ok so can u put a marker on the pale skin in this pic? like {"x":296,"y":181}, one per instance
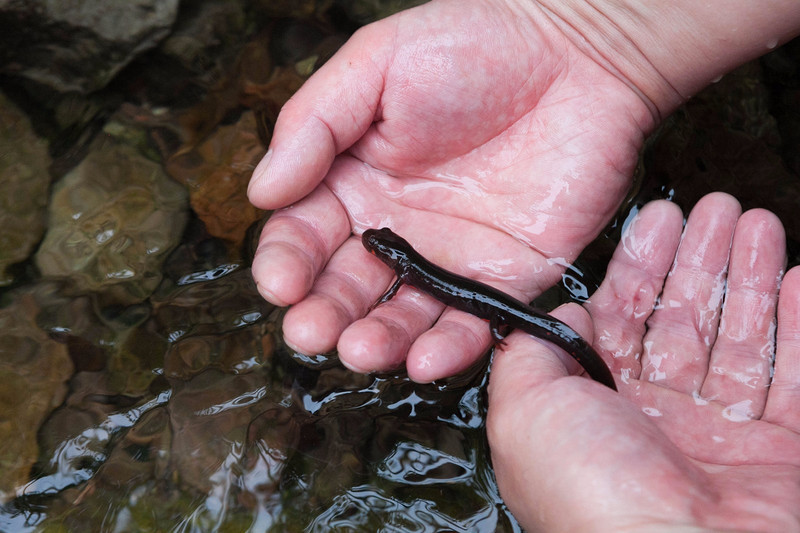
{"x":498,"y":137}
{"x":696,"y":439}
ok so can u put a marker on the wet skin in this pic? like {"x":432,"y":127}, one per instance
{"x":480,"y":300}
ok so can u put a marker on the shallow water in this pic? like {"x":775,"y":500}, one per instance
{"x":157,"y":395}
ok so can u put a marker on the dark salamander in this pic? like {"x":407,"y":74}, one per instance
{"x":480,"y":300}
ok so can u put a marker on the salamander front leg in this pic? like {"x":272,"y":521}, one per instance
{"x":389,"y":294}
{"x":498,"y":337}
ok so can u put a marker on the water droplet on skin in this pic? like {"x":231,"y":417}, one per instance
{"x":651,"y":411}
{"x":772,"y":43}
{"x":654,"y":371}
{"x":559,"y":261}
{"x":495,"y":269}
{"x":739,"y":411}
{"x":699,"y":400}
{"x":424,"y":361}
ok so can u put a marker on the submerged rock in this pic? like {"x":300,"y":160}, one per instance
{"x":24,"y":180}
{"x":222,"y":324}
{"x":34,"y":370}
{"x":217,"y":172}
{"x":205,"y":33}
{"x":366,"y":11}
{"x":80,"y":45}
{"x":211,"y":416}
{"x":113,"y":220}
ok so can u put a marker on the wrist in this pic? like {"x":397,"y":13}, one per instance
{"x":667,"y":51}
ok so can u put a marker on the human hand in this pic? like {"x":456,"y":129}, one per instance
{"x":700,"y":436}
{"x":479,"y":133}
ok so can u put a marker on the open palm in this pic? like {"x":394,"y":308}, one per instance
{"x":701,"y":433}
{"x":481,"y":135}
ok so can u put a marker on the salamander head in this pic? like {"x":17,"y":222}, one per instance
{"x":386,"y":245}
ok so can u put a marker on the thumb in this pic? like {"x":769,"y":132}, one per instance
{"x":531,"y":398}
{"x":525,"y":362}
{"x":329,"y":113}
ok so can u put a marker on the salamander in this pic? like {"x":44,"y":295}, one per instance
{"x":479,"y":299}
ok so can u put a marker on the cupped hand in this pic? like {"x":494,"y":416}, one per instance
{"x":702,"y":435}
{"x":477,"y":131}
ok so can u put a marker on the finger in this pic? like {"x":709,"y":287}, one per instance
{"x":295,"y":245}
{"x":633,"y":281}
{"x":322,"y":119}
{"x":458,"y":339}
{"x":381,"y":341}
{"x":543,"y":425}
{"x":407,"y":327}
{"x":456,"y":342}
{"x":683,"y":328}
{"x":740,"y":366}
{"x":342,"y":293}
{"x":521,"y":413}
{"x":525,"y":362}
{"x":784,"y":392}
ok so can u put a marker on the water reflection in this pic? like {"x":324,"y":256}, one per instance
{"x":76,"y":460}
{"x":361,"y":507}
{"x":416,"y":464}
{"x":235,"y":431}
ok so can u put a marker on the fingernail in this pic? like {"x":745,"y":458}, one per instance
{"x":260,"y":171}
{"x":261,"y":167}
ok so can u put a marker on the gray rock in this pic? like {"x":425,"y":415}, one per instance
{"x":78,"y":45}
